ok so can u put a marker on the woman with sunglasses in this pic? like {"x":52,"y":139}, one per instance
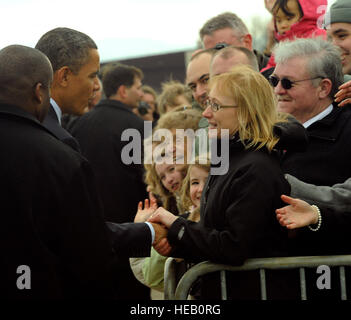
{"x":238,"y":208}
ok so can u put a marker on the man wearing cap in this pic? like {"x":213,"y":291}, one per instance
{"x":338,"y":25}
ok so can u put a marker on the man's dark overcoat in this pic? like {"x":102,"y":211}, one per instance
{"x":52,"y":219}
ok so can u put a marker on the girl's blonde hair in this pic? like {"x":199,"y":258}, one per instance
{"x":178,"y":118}
{"x":169,"y":201}
{"x":257,"y":111}
{"x":201,"y":162}
{"x":171,"y":90}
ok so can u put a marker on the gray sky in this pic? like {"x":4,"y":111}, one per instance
{"x":121,"y":29}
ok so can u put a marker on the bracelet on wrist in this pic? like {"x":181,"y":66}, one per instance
{"x":319,"y":223}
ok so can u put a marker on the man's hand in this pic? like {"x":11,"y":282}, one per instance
{"x":163,"y":247}
{"x":160,"y":233}
{"x":344,"y":94}
{"x":149,"y":208}
{"x":297,"y":214}
{"x":163,"y":216}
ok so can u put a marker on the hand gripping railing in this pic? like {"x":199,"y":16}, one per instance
{"x":180,"y":291}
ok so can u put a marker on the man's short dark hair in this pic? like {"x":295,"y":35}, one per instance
{"x":222,"y":21}
{"x":66,"y":47}
{"x":21,"y":69}
{"x":116,"y":75}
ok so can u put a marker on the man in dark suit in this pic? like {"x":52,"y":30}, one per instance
{"x":54,"y":242}
{"x":99,"y":133}
{"x":76,"y":63}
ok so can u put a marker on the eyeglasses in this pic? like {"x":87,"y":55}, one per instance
{"x":286,"y":83}
{"x":216,"y":106}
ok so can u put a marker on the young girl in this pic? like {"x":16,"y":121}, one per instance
{"x":170,"y":171}
{"x":152,"y":269}
{"x":193,"y":186}
{"x":296,"y":19}
{"x":164,"y":180}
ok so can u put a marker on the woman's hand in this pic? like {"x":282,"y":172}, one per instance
{"x":344,"y":94}
{"x":297,"y":214}
{"x":163,"y":217}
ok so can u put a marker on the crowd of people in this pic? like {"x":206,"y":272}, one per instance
{"x":103,"y":178}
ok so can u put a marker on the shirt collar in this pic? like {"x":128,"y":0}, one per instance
{"x":319,"y":116}
{"x":57,"y":109}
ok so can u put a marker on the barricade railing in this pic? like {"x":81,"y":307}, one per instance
{"x":180,"y":290}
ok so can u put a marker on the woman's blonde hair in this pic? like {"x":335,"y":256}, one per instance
{"x":201,"y":162}
{"x":257,"y":105}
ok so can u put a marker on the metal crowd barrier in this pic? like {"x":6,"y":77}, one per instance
{"x":180,"y":291}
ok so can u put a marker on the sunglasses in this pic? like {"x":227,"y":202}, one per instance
{"x":286,"y":83}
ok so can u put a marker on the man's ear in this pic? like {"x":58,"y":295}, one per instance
{"x":122,"y":91}
{"x":247,"y":41}
{"x":325,"y":88}
{"x":38,"y":93}
{"x":40,"y":109}
{"x":62,"y":76}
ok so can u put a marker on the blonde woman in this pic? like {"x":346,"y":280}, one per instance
{"x":237,"y":208}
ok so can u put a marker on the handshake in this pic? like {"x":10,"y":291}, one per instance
{"x":161,"y":220}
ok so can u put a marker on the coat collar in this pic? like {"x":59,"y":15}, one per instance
{"x":17,"y":112}
{"x":14,"y":110}
{"x":332,"y":125}
{"x":114,"y":104}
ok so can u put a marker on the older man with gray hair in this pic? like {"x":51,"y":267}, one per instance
{"x":306,"y":78}
{"x":338,"y":196}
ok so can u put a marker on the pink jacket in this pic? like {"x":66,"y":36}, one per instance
{"x":309,"y":25}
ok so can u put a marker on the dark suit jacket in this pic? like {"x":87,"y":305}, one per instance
{"x":52,"y":219}
{"x":99,"y":133}
{"x":326,"y":159}
{"x":51,"y":122}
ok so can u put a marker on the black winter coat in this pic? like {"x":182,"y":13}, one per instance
{"x":326,"y":159}
{"x":99,"y":134}
{"x":52,"y":219}
{"x":238,"y":219}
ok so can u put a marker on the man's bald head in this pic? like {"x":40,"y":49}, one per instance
{"x":227,"y":58}
{"x":25,"y":78}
